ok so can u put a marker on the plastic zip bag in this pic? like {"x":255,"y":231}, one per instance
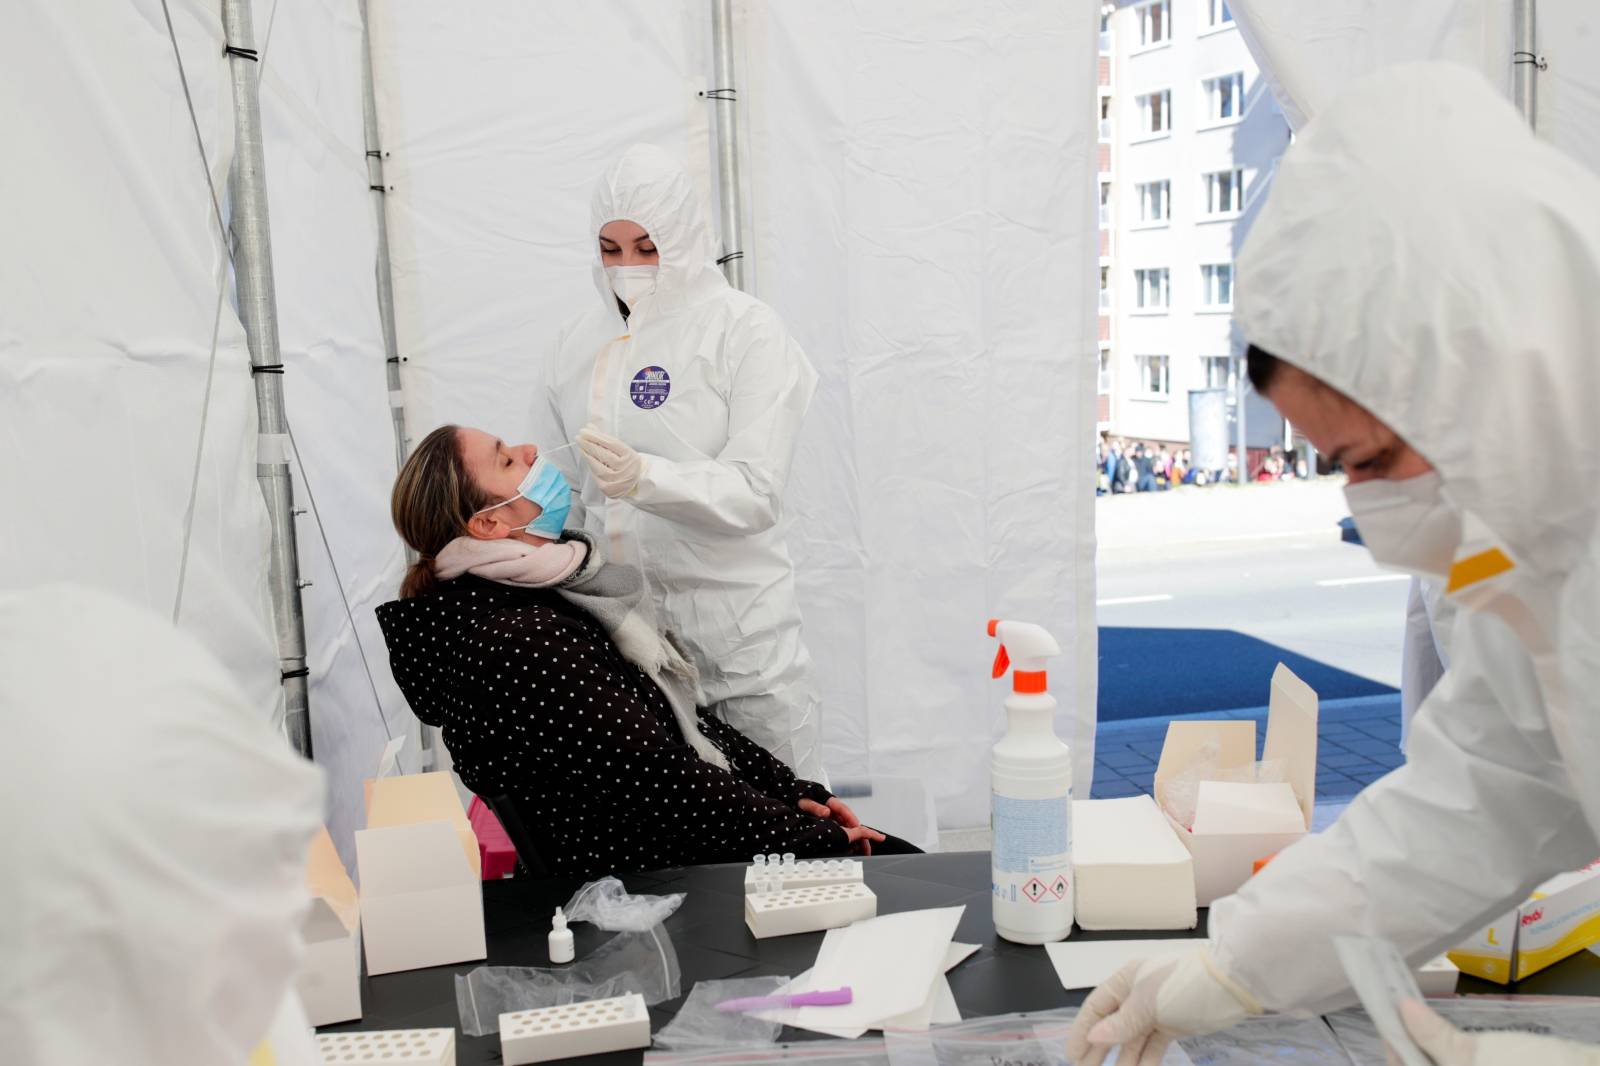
{"x":699,"y":1025}
{"x":607,"y":905}
{"x":641,"y":962}
{"x":1570,"y":1017}
{"x":828,"y":1052}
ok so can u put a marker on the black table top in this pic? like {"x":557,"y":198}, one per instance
{"x":712,"y":943}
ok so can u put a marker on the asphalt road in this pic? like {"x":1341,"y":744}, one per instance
{"x":1199,"y":625}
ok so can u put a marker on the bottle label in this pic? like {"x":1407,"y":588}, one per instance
{"x":1032,"y":856}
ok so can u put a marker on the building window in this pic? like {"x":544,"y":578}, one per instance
{"x":1105,"y":372}
{"x":1155,"y":23}
{"x":1219,"y":371}
{"x":1216,"y":285}
{"x":1155,"y":203}
{"x":1155,"y":112}
{"x":1224,"y":192}
{"x":1155,"y":375}
{"x":1105,"y":204}
{"x":1152,"y":288}
{"x":1217,"y":14}
{"x":1105,"y":288}
{"x":1224,"y":97}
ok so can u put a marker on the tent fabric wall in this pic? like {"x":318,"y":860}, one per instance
{"x":1308,"y":52}
{"x":923,"y":193}
{"x":499,"y":116}
{"x":975,"y":401}
{"x":324,"y":238}
{"x":111,"y":275}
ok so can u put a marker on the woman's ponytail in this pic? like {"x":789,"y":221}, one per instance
{"x":432,"y":501}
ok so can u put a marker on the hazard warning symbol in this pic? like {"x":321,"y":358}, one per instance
{"x":1058,"y":887}
{"x":1034,"y":890}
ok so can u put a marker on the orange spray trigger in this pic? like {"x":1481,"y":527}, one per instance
{"x":1002,"y":662}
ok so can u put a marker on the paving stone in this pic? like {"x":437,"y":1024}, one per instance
{"x":1343,"y":758}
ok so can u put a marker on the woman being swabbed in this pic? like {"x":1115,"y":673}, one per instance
{"x":554,"y":686}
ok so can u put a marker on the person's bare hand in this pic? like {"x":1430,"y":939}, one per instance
{"x":861,"y":839}
{"x":836,"y":810}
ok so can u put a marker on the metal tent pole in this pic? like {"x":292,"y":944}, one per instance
{"x":385,"y":279}
{"x":258,"y":308}
{"x":1241,"y":383}
{"x":1526,"y":61}
{"x":726,"y":97}
{"x":375,"y":181}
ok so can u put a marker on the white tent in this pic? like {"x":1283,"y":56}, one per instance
{"x":919,"y":200}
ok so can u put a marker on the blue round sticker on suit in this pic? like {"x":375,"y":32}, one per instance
{"x":650,"y":388}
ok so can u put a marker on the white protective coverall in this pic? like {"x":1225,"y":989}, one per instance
{"x":1425,"y":254}
{"x":155,"y":843}
{"x":705,"y":382}
{"x":1425,"y":651}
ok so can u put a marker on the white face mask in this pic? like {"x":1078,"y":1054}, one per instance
{"x":633,"y":283}
{"x":1407,"y":525}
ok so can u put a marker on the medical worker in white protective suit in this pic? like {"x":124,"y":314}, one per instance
{"x":1426,"y":273}
{"x":155,"y":842}
{"x":686,"y":396}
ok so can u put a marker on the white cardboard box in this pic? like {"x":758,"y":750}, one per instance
{"x":329,"y":981}
{"x":1224,"y":858}
{"x":1130,"y":872}
{"x":421,"y":887}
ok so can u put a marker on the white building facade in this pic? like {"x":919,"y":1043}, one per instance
{"x":1189,"y":137}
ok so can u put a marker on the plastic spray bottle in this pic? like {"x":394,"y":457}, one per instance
{"x":1031,"y":812}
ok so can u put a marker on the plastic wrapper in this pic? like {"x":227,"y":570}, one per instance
{"x":1570,"y":1017}
{"x":1181,"y":793}
{"x":700,"y":1024}
{"x":642,"y":962}
{"x":607,"y":905}
{"x":1032,"y":1038}
{"x":1301,"y":1041}
{"x":826,"y":1052}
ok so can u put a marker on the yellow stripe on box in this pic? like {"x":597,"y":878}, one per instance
{"x":1476,"y":568}
{"x":263,"y":1056}
{"x":1496,"y":968}
{"x":1579,"y":937}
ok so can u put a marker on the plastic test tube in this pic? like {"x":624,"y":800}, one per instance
{"x":788,"y":860}
{"x":759,"y":862}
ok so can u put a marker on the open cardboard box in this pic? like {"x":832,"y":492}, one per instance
{"x":421,"y":888}
{"x":1224,"y":857}
{"x":329,"y":981}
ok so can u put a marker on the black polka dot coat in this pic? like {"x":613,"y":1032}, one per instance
{"x":536,"y":703}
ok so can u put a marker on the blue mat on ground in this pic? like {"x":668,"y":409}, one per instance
{"x":1150,"y":672}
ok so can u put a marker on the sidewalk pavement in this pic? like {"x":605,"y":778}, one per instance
{"x":1358,"y":741}
{"x":1199,"y":518}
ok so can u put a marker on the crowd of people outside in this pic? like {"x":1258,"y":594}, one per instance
{"x":1124,"y":465}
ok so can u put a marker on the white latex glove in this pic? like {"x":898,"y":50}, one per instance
{"x":617,"y":468}
{"x":1145,"y":1006}
{"x":1448,"y":1046}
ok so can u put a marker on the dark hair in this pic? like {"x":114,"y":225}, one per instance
{"x":433,"y":499}
{"x":1262,"y":366}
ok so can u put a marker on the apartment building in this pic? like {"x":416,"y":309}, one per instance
{"x":1189,"y":137}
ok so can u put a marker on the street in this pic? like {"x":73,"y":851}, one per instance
{"x":1201,"y":593}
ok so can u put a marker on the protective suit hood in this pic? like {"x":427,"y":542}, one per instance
{"x":649,"y":187}
{"x":1457,"y":303}
{"x":155,"y":843}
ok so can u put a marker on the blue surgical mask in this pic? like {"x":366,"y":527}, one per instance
{"x":548,"y":487}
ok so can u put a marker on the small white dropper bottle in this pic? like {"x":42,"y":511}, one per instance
{"x":560,"y":940}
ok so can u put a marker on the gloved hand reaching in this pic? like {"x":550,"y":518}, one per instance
{"x":617,"y":468}
{"x":1448,"y":1046}
{"x":1145,"y":1006}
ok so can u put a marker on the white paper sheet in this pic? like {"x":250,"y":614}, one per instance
{"x":1382,"y":979}
{"x":892,"y":963}
{"x":1086,"y":963}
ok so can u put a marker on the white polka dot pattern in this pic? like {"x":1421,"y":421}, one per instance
{"x":537,"y":703}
